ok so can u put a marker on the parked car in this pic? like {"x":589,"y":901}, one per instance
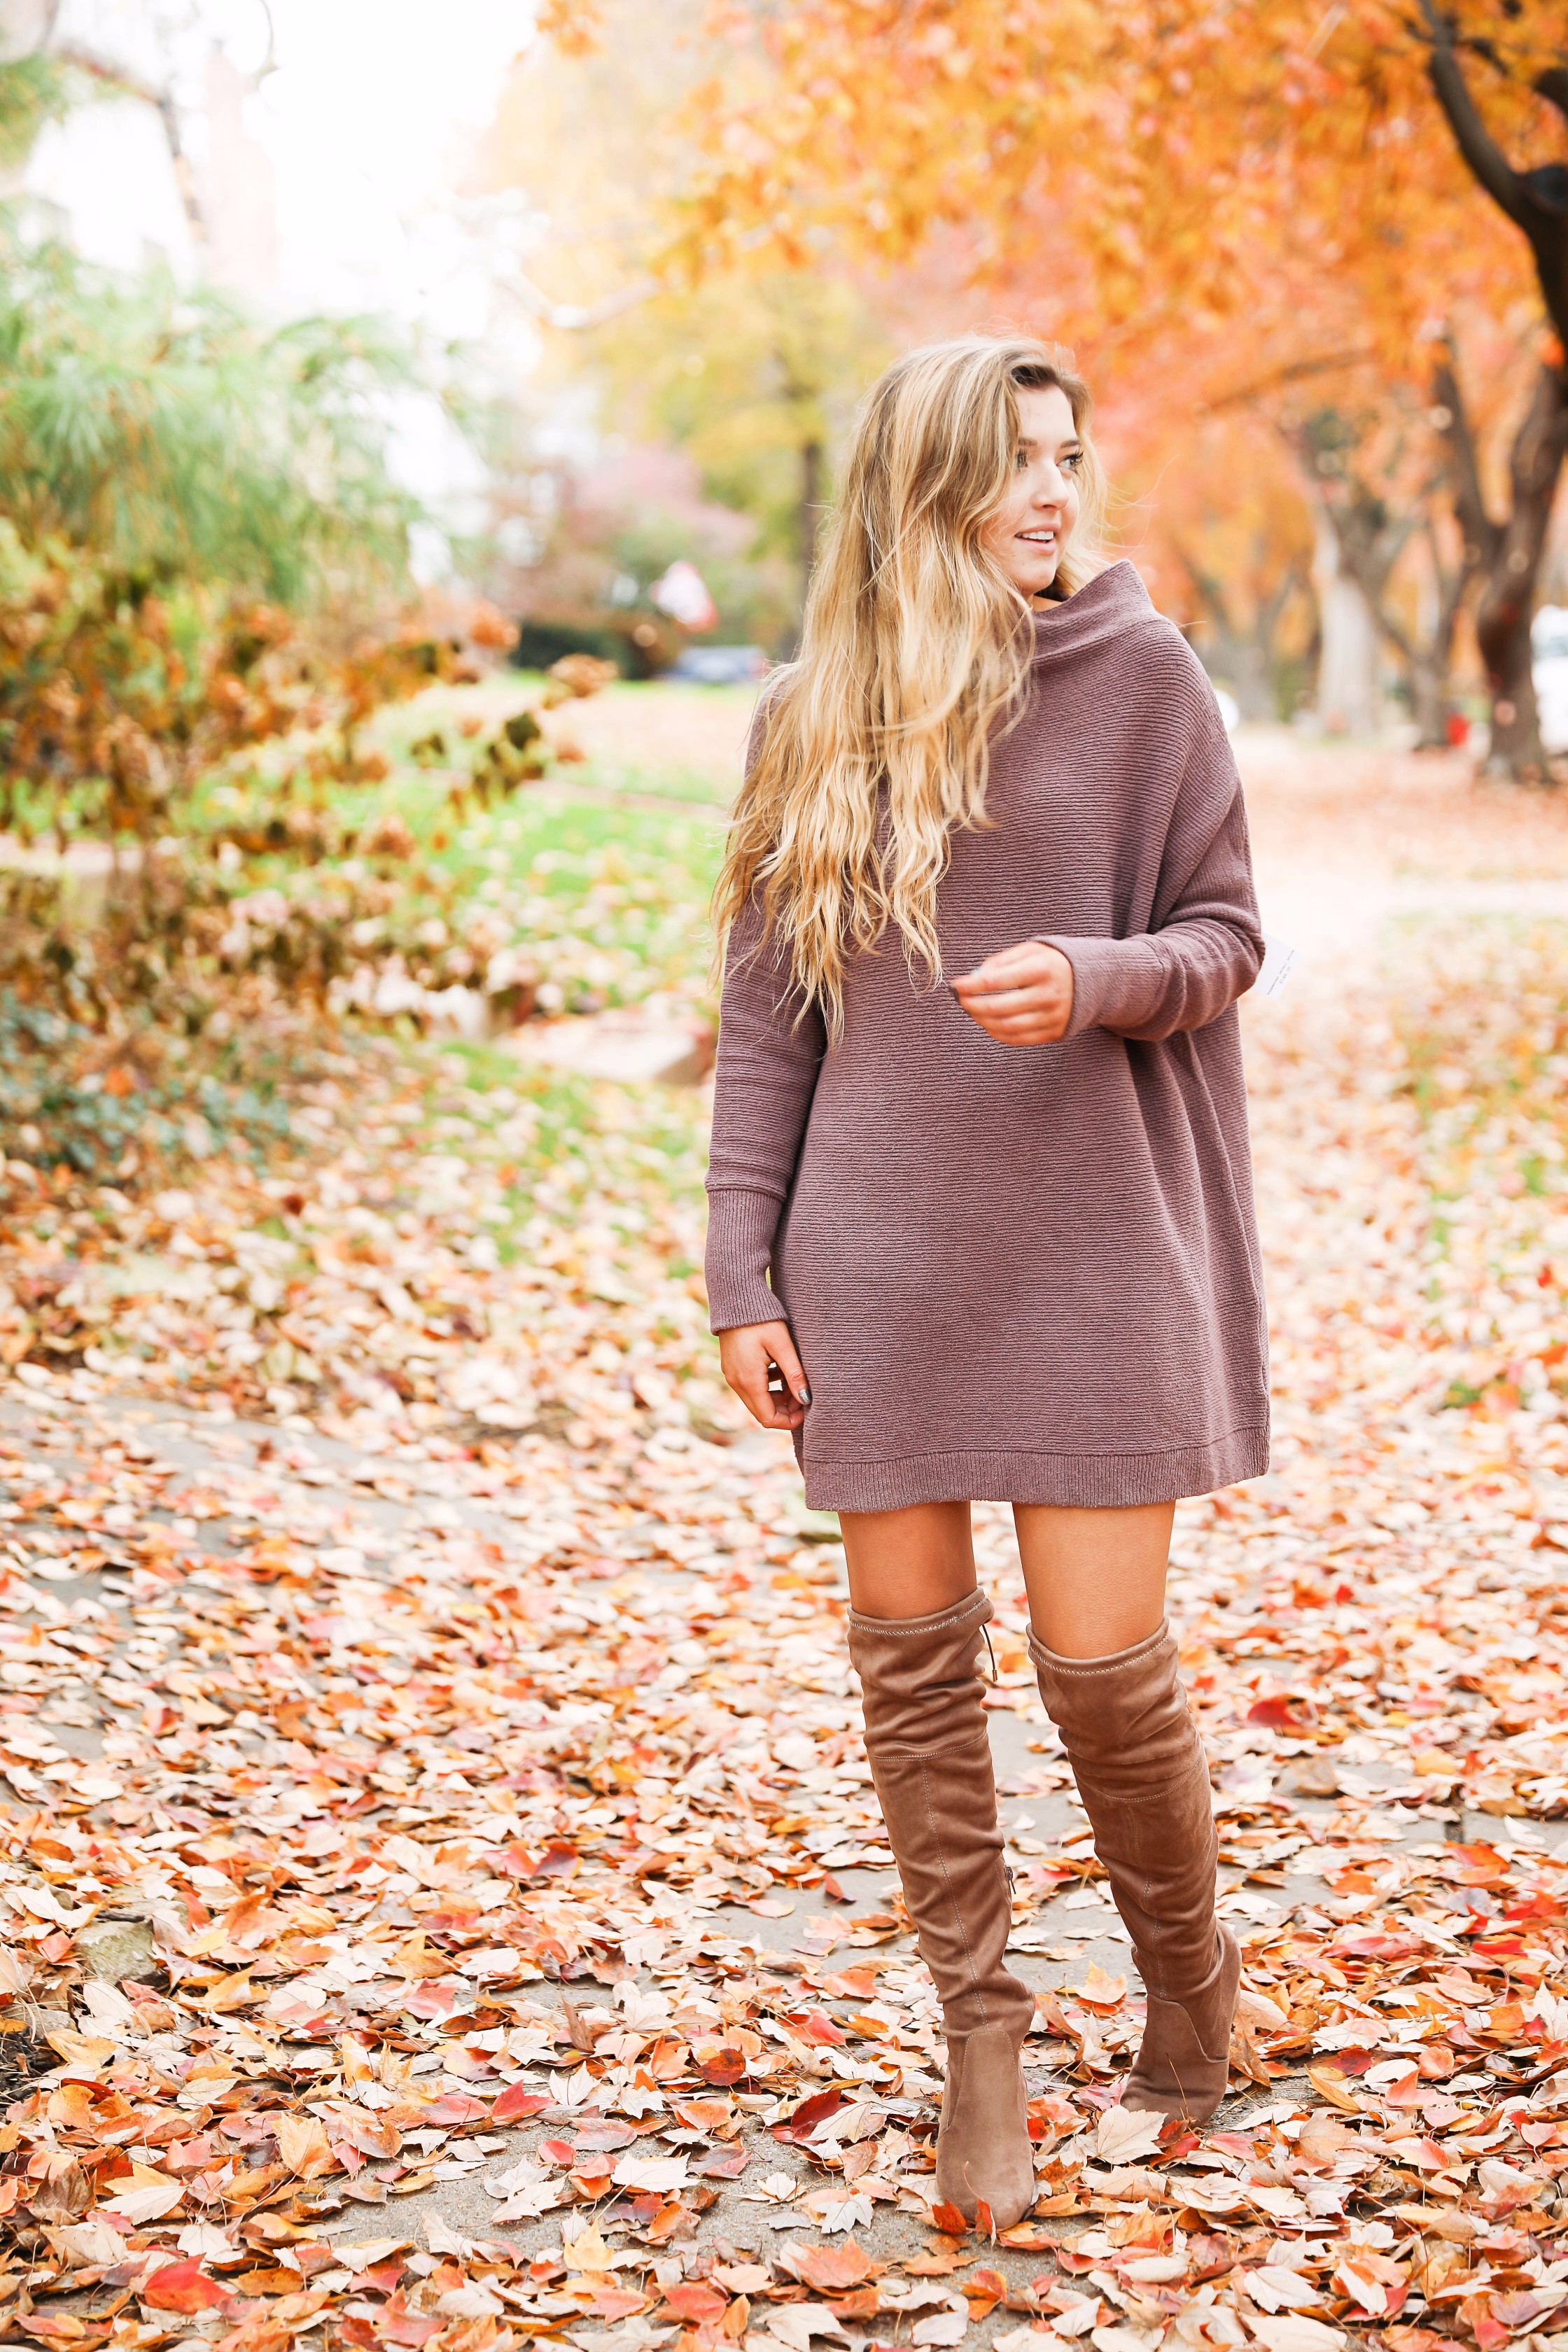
{"x":1548,"y":661}
{"x":720,"y":665}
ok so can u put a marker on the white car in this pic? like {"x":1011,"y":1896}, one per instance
{"x":1549,"y":662}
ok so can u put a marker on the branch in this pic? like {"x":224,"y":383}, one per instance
{"x":269,"y":62}
{"x":1479,"y":531}
{"x":1553,"y":86}
{"x":1451,"y":591}
{"x":576,"y":317}
{"x":115,"y":77}
{"x":162,"y":101}
{"x":1475,"y":141}
{"x":1209,"y":590}
{"x":1293,"y":374}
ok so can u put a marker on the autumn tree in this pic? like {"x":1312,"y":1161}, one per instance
{"x":1282,"y":185}
{"x":750,"y":372}
{"x":1219,"y":530}
{"x":1507,"y":549}
{"x":755,"y":377}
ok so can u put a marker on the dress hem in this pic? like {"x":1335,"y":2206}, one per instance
{"x":1080,"y":1481}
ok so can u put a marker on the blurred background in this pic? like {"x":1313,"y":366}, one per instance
{"x":610,"y":291}
{"x":414,"y":439}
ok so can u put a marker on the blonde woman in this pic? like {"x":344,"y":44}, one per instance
{"x":980,"y":1172}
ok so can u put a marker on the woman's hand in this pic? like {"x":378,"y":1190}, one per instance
{"x":1022,"y":996}
{"x":761,"y":1365}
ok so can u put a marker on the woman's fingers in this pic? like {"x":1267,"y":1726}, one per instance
{"x":1022,"y":996}
{"x":996,"y":1003}
{"x":760,"y":1363}
{"x":1031,"y":1028}
{"x":1029,"y":960}
{"x":781,"y":1347}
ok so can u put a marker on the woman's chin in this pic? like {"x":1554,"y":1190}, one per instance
{"x":1038,"y":578}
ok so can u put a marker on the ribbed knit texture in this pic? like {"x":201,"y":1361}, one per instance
{"x":1026,"y":1273}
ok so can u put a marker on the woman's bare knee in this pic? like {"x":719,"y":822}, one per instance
{"x":909,"y":1563}
{"x":1096,"y":1578}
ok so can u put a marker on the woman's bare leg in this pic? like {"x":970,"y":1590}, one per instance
{"x":909,"y":1563}
{"x":1096,"y":1580}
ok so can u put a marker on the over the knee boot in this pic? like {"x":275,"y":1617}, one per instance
{"x":1141,"y":1772}
{"x":931,"y":1759}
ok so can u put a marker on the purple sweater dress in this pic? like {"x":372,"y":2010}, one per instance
{"x":1029,"y":1274}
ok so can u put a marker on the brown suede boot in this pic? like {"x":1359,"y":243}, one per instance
{"x":931,"y":1760}
{"x":1141,"y":1772}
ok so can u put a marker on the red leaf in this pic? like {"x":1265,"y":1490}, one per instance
{"x":559,"y":2152}
{"x":454,"y":2108}
{"x":433,"y":1998}
{"x":672,"y":2215}
{"x":696,"y":2301}
{"x":809,"y":2114}
{"x":602,"y":2132}
{"x":1372,"y":1947}
{"x":1283,"y":1712}
{"x":184,"y":2287}
{"x":518,"y":2102}
{"x":724,"y":2164}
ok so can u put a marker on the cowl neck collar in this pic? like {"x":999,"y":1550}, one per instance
{"x":1104,"y":607}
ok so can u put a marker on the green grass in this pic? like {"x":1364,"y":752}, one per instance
{"x":608,"y":903}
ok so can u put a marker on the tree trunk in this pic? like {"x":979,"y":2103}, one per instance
{"x":1429,"y":698}
{"x":1532,"y":200}
{"x":1347,"y":698}
{"x":1508,"y":594}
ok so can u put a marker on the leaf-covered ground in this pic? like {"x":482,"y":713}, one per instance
{"x":445,"y":1901}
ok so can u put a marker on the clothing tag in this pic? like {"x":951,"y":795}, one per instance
{"x":1278,"y":962}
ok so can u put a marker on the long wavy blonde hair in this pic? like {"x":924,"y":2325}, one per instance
{"x":914,"y":649}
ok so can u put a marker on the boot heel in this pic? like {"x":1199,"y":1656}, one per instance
{"x":984,"y":2154}
{"x":1183,"y":2062}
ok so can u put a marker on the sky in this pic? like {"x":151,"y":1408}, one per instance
{"x":370,"y":121}
{"x":335,"y":181}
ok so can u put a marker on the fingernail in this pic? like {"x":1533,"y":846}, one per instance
{"x":803,"y":1393}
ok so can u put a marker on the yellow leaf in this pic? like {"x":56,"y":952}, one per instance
{"x":302,"y":2145}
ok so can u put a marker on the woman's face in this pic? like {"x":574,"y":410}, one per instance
{"x":1041,"y":507}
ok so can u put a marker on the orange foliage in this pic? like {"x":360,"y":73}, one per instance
{"x":1140,"y":176}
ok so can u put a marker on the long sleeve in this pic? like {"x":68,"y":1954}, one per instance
{"x":766,"y":1075}
{"x":1204,"y":945}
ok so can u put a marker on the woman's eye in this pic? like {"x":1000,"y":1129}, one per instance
{"x":1073,"y":459}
